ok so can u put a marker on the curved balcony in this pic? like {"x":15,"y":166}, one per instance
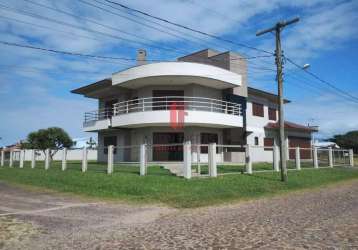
{"x":158,"y":111}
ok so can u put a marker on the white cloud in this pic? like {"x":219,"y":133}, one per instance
{"x":43,"y":80}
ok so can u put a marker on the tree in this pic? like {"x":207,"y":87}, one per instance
{"x":91,"y":143}
{"x":348,"y":140}
{"x":53,"y":138}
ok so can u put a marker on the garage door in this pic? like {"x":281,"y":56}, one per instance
{"x":302,"y":143}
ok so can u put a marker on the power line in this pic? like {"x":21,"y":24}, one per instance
{"x":323,"y":81}
{"x":161,"y":25}
{"x":105,"y":26}
{"x":26,"y":13}
{"x":189,"y":28}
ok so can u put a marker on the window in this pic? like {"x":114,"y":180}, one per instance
{"x":207,"y":138}
{"x":256,"y":141}
{"x":272,"y":114}
{"x":108,"y":141}
{"x":257,"y":109}
{"x":268,"y":142}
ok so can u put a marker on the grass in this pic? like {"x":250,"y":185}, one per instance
{"x":159,"y":186}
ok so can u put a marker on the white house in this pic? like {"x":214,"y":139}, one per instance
{"x":206,"y":92}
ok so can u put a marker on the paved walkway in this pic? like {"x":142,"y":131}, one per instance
{"x":323,"y":219}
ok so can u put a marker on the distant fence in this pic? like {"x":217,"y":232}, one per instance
{"x":186,"y":159}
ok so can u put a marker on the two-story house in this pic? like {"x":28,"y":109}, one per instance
{"x":140,"y":104}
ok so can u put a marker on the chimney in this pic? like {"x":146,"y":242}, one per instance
{"x":141,"y":57}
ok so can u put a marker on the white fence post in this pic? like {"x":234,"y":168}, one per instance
{"x":84,"y":159}
{"x":276,"y":159}
{"x":143,"y":162}
{"x":2,"y":158}
{"x":64,"y":159}
{"x":213,"y":172}
{"x":33,"y":158}
{"x":22,"y":158}
{"x":198,"y":158}
{"x":298,"y":158}
{"x":351,"y":158}
{"x":47,"y":159}
{"x":11,"y":160}
{"x":187,"y":160}
{"x":110,"y":160}
{"x":330,"y":157}
{"x":315,"y":157}
{"x":248,"y":159}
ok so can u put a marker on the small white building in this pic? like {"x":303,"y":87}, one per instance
{"x":202,"y":97}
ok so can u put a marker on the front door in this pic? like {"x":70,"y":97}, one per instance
{"x":162,"y":148}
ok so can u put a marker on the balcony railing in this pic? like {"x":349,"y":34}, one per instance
{"x":166,"y":103}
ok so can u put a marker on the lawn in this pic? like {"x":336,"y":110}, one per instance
{"x":159,"y":186}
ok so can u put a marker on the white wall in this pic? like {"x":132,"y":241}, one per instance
{"x":72,"y":155}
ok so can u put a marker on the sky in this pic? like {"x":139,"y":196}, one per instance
{"x":35,"y":85}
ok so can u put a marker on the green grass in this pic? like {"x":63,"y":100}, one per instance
{"x":159,"y":186}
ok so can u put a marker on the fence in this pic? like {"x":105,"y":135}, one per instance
{"x":181,"y":159}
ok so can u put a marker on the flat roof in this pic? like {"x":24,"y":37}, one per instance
{"x":265,"y":94}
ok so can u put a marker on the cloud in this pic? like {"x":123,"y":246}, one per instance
{"x":34,"y":86}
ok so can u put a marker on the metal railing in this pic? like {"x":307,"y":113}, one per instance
{"x":166,"y":103}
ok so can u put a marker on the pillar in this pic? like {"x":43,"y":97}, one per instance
{"x":22,"y":158}
{"x":64,"y":159}
{"x":298,"y":158}
{"x":198,"y":158}
{"x":47,"y":159}
{"x":84,"y":159}
{"x":11,"y":160}
{"x":276,"y":158}
{"x":187,"y":160}
{"x":330,"y":157}
{"x":2,"y":158}
{"x":351,"y":158}
{"x":315,"y":157}
{"x":110,"y":160}
{"x":213,"y":172}
{"x":143,"y":162}
{"x":33,"y":158}
{"x":248,"y":159}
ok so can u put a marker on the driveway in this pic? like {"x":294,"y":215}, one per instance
{"x":322,"y":219}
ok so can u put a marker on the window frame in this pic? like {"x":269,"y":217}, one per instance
{"x":272,"y":111}
{"x":258,"y":109}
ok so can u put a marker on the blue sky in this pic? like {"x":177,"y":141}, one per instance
{"x":35,"y":86}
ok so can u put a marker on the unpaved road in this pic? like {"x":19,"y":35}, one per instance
{"x":323,"y":219}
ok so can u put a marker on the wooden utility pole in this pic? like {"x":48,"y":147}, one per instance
{"x":278,"y":53}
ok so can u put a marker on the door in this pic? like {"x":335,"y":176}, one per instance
{"x":302,"y":143}
{"x":163,"y":151}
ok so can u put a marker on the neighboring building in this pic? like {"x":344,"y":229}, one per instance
{"x":325,"y":144}
{"x":88,"y":142}
{"x":134,"y":107}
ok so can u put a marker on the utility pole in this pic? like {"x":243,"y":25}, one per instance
{"x":278,"y":53}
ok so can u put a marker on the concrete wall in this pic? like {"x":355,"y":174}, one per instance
{"x":72,"y":155}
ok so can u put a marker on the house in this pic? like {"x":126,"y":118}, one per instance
{"x":202,"y":97}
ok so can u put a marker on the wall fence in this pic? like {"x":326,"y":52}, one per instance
{"x":185,"y":159}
